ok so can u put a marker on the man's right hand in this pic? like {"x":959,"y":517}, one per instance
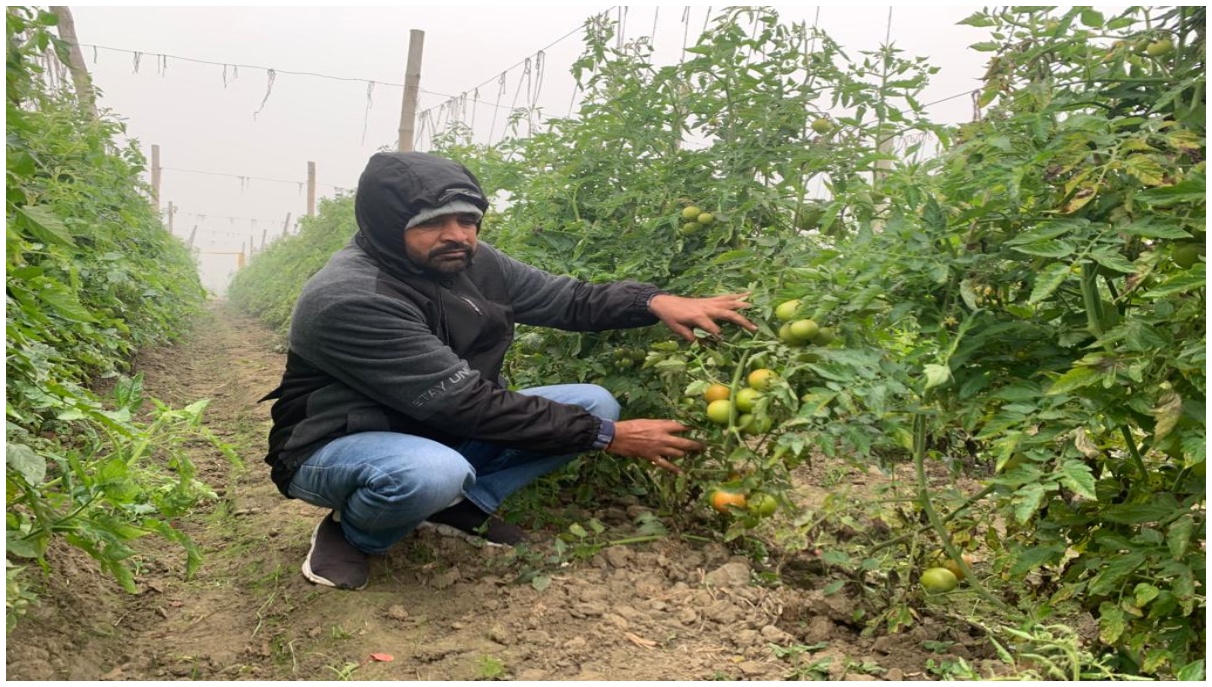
{"x":652,"y":440}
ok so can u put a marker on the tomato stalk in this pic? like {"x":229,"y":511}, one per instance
{"x":1097,"y":320}
{"x":733,"y":432}
{"x":919,"y":464}
{"x":944,"y":520}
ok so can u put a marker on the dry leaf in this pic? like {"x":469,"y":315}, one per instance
{"x":639,"y":641}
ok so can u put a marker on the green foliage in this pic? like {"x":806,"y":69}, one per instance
{"x":92,"y":277}
{"x":1029,"y":301}
{"x":1078,"y":361}
{"x":268,"y":287}
{"x":117,"y":480}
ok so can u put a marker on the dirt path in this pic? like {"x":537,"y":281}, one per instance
{"x":441,"y":609}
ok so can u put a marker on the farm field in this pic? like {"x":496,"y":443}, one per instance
{"x":667,"y":609}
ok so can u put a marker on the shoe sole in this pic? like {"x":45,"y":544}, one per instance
{"x":317,"y":579}
{"x":449,"y":531}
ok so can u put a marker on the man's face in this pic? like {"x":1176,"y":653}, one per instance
{"x":444,"y":244}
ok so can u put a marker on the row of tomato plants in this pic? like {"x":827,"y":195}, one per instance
{"x":92,"y":277}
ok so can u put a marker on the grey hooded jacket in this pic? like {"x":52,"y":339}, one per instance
{"x":376,"y":344}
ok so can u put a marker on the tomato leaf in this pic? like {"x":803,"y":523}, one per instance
{"x":1146,"y":170}
{"x":1074,"y":379}
{"x":1135,"y":514}
{"x":1111,"y":622}
{"x":1092,"y":18}
{"x":1049,"y":230}
{"x":1049,"y":280}
{"x":1189,"y":191}
{"x":65,"y":304}
{"x":977,"y":19}
{"x":1114,"y":570}
{"x":1111,"y":259}
{"x":1166,"y":413}
{"x":1048,"y":249}
{"x":1027,"y":501}
{"x":1077,"y":476}
{"x":1178,"y":538}
{"x":46,"y":226}
{"x":1032,"y":558}
{"x":1192,"y":672}
{"x":1178,"y":284}
{"x":27,"y":462}
{"x":936,"y":375}
{"x":1153,"y":229}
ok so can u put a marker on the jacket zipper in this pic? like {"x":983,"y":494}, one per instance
{"x":470,"y":302}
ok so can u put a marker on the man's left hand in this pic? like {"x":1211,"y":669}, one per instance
{"x":683,"y":315}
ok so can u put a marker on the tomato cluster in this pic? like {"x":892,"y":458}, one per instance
{"x":694,"y":219}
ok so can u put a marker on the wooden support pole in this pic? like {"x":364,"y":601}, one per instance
{"x":84,"y":84}
{"x":412,"y":85}
{"x":311,"y":189}
{"x":155,"y":174}
{"x":264,"y":233}
{"x":171,"y":209}
{"x":192,"y":232}
{"x":286,"y":224}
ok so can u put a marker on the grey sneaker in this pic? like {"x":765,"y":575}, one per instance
{"x":466,"y":520}
{"x":332,"y":560}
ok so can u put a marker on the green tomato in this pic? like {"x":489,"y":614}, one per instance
{"x":787,"y":310}
{"x":719,"y":411}
{"x":805,"y":330}
{"x":746,"y":399}
{"x":939,"y":580}
{"x":762,"y":505}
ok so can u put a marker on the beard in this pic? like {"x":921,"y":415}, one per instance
{"x":449,"y":258}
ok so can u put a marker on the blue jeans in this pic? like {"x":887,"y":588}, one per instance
{"x":385,"y":484}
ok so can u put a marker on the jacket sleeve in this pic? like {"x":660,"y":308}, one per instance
{"x":544,"y":299}
{"x":383,"y":349}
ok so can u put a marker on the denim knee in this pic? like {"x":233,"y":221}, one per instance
{"x":601,"y":402}
{"x":429,"y":490}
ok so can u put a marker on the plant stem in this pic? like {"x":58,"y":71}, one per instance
{"x":1133,"y":451}
{"x":945,"y":519}
{"x":635,"y":540}
{"x":919,"y":464}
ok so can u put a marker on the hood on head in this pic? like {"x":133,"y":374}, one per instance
{"x":397,"y":187}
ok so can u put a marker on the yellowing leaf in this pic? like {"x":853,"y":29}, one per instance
{"x":1168,"y":410}
{"x":936,"y":375}
{"x":1146,"y":170}
{"x":1079,"y":200}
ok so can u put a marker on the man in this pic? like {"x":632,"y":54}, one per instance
{"x":391,"y":412}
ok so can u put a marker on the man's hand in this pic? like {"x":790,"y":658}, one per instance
{"x":652,"y":440}
{"x":683,"y":315}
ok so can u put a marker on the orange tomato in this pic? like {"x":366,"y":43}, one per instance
{"x":724,"y":501}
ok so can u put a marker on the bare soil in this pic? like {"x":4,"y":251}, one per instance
{"x":669,"y":608}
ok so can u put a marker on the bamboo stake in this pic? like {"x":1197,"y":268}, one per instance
{"x":155,"y":175}
{"x":311,"y":189}
{"x":80,"y":77}
{"x":412,"y":84}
